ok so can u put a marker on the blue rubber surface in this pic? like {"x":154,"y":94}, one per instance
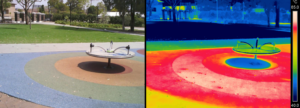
{"x":15,"y":82}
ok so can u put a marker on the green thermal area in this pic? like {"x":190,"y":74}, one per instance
{"x":202,"y":44}
{"x":259,"y":10}
{"x":263,"y":50}
{"x":19,"y":33}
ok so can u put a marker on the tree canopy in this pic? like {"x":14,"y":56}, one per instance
{"x":123,"y":7}
{"x":42,"y":9}
{"x":58,"y":6}
{"x":92,"y":10}
{"x":76,"y":5}
{"x":109,"y":4}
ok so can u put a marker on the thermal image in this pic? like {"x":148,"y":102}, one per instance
{"x":218,"y":53}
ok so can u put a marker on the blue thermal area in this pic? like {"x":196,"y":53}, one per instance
{"x":187,"y":10}
{"x":247,"y":63}
{"x":247,"y":22}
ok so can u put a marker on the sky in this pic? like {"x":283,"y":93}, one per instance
{"x":44,"y":2}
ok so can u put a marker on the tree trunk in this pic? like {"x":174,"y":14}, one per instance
{"x":2,"y":11}
{"x":123,"y":23}
{"x":70,"y":13}
{"x":185,"y":15}
{"x":163,"y":14}
{"x":150,"y":10}
{"x":174,"y":16}
{"x":132,"y":15}
{"x":277,"y":17}
{"x":268,"y":20}
{"x":26,"y":16}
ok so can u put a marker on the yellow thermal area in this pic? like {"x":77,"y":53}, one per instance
{"x":157,"y":99}
{"x":180,"y":7}
{"x":286,"y":79}
{"x":284,"y":47}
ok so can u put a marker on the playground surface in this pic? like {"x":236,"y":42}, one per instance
{"x":195,"y":74}
{"x":61,"y":75}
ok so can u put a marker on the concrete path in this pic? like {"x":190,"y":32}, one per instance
{"x":52,"y":23}
{"x":136,"y":28}
{"x":23,"y":48}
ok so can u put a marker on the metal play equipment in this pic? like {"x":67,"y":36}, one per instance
{"x":252,"y":63}
{"x":258,"y":49}
{"x":110,"y":53}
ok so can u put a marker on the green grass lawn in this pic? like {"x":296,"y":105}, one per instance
{"x":20,"y":33}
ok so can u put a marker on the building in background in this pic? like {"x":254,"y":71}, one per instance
{"x":9,"y":12}
{"x":114,"y":14}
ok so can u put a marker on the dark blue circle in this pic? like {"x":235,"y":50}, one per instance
{"x":247,"y":63}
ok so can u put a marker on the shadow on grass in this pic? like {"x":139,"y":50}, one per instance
{"x":127,"y":31}
{"x":100,"y":29}
{"x":72,"y":28}
{"x":8,"y":28}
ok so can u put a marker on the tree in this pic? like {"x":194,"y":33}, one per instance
{"x":20,"y":10}
{"x":188,"y":8}
{"x":4,"y":4}
{"x":76,"y":5}
{"x":58,"y":5}
{"x":149,"y":4}
{"x":109,"y":4}
{"x":268,"y":7}
{"x":133,"y":8}
{"x":136,"y":5}
{"x":279,"y":4}
{"x":26,"y":4}
{"x":42,"y":9}
{"x":92,"y":10}
{"x":122,"y":6}
{"x":103,"y":11}
{"x":273,"y":5}
{"x":141,"y":7}
{"x":173,"y":4}
{"x":101,"y":7}
{"x":114,"y":10}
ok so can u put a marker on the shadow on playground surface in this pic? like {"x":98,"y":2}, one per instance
{"x":157,"y":31}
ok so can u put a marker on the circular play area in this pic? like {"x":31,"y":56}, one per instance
{"x":220,"y":77}
{"x":75,"y":79}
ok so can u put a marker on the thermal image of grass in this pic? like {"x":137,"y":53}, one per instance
{"x":198,"y":76}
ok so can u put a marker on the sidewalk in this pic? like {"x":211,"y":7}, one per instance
{"x":23,"y":48}
{"x":7,"y":101}
{"x":136,"y":28}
